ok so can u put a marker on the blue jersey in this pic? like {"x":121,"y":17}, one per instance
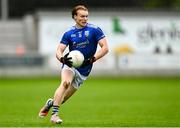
{"x":85,"y":40}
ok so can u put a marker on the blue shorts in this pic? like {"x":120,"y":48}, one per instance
{"x":78,"y":78}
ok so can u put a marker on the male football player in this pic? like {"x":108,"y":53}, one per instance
{"x":84,"y":37}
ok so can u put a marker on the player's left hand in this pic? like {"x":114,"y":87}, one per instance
{"x":89,"y":61}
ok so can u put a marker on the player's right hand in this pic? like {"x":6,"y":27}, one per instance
{"x":66,"y":60}
{"x":89,"y":61}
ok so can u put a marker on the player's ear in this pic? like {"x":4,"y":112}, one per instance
{"x":75,"y":17}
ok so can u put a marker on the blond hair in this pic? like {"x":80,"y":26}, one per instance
{"x":76,"y":8}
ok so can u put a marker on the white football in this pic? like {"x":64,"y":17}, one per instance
{"x":77,"y":58}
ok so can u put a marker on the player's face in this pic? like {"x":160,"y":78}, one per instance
{"x":81,"y":18}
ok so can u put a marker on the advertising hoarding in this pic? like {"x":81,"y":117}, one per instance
{"x":140,"y":38}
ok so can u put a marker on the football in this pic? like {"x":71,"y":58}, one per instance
{"x":77,"y":58}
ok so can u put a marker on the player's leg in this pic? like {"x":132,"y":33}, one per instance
{"x":67,"y":76}
{"x":66,"y":79}
{"x":69,"y":92}
{"x":75,"y":85}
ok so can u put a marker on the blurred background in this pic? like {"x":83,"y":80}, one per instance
{"x":143,"y":36}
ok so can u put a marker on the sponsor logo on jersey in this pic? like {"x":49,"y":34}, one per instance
{"x":80,"y":44}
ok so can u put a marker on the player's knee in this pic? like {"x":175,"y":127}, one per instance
{"x":66,"y":84}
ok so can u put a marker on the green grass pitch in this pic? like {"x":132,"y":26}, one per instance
{"x":100,"y":102}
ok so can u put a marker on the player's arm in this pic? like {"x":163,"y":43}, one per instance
{"x":60,"y":50}
{"x":99,"y":54}
{"x":59,"y":55}
{"x":103,"y":50}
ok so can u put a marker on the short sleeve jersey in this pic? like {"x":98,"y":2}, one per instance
{"x":85,"y":40}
